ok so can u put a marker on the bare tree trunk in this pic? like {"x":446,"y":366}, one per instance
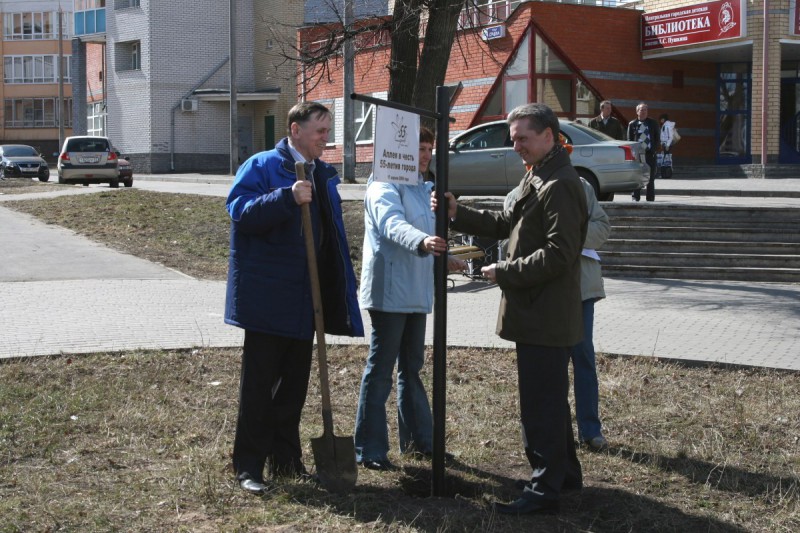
{"x":405,"y":49}
{"x":439,"y":38}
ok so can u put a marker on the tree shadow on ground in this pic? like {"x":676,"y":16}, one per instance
{"x":719,"y":477}
{"x":469,"y":493}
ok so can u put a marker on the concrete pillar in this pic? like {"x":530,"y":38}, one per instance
{"x":78,"y":73}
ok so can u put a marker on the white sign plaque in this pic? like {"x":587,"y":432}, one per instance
{"x":396,"y":157}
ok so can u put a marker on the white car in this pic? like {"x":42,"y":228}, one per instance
{"x":483,"y":161}
{"x":87,"y":159}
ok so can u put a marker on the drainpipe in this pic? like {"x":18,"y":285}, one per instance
{"x":178,"y":105}
{"x":764,"y":91}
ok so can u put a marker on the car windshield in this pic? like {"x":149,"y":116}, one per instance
{"x":19,"y":151}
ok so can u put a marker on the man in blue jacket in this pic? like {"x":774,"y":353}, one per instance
{"x":269,"y":291}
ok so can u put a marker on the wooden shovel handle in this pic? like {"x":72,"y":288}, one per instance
{"x":316,"y":299}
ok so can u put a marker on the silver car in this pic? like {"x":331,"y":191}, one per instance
{"x":483,"y":161}
{"x":87,"y":159}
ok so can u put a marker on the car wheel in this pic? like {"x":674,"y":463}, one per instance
{"x":44,"y":178}
{"x":114,"y":184}
{"x":588,"y":176}
{"x":85,"y":183}
{"x":128,"y":183}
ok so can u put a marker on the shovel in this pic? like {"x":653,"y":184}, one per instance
{"x":335,"y":457}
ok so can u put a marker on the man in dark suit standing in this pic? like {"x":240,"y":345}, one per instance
{"x":540,"y":309}
{"x":647,"y":132}
{"x":607,"y":124}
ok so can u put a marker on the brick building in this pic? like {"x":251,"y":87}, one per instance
{"x":30,"y":88}
{"x":701,"y":63}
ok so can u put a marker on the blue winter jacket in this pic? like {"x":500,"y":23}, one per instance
{"x":269,"y":288}
{"x":395,"y":276}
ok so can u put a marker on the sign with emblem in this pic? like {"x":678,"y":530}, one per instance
{"x":396,"y":157}
{"x":699,"y":23}
{"x":493,"y":32}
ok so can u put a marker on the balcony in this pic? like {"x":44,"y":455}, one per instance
{"x":90,"y":22}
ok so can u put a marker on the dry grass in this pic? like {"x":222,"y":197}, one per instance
{"x":141,"y":441}
{"x":21,"y":186}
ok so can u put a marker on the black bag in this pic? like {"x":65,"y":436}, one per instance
{"x":666,"y":172}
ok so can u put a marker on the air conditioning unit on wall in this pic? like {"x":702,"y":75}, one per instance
{"x":188,"y":105}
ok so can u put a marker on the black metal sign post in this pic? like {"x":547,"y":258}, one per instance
{"x":440,"y":277}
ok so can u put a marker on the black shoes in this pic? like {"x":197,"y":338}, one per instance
{"x":383,"y":465}
{"x":252,"y":486}
{"x":527,"y":506}
{"x":597,"y":444}
{"x":570,"y":484}
{"x":293,"y":468}
{"x":416,"y":454}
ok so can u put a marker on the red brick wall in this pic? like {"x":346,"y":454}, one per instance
{"x":94,"y":72}
{"x":588,"y":37}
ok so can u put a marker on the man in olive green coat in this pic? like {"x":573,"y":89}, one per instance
{"x":540,"y":308}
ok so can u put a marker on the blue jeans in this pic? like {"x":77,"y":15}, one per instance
{"x":395,"y":337}
{"x":585,"y":379}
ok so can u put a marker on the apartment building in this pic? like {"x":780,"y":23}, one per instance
{"x":155,"y":78}
{"x":33,"y":113}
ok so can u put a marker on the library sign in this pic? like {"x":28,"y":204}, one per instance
{"x":700,"y":23}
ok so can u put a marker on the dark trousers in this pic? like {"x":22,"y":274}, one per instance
{"x":543,"y":374}
{"x":272,"y":392}
{"x":650,"y":192}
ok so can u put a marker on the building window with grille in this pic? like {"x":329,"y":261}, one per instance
{"x":33,"y":69}
{"x":96,"y":119}
{"x":364,"y":116}
{"x":35,"y":26}
{"x":36,"y":112}
{"x":125,"y":4}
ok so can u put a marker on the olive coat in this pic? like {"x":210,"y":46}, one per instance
{"x":540,"y":277}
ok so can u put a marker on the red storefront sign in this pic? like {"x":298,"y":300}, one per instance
{"x":700,"y":23}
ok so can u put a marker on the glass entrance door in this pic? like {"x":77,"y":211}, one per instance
{"x":733,"y":114}
{"x":790,"y":113}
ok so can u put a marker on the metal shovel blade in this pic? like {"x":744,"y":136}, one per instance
{"x":335,"y":459}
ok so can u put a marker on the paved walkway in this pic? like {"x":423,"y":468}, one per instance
{"x":61,"y":293}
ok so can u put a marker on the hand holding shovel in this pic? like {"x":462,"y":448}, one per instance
{"x":335,"y":457}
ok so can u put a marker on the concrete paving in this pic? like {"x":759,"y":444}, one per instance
{"x":60,"y":293}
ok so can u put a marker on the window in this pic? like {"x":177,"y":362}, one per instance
{"x":128,"y":56}
{"x":34,"y":26}
{"x":364,"y":114}
{"x":96,"y":120}
{"x":123,"y":4}
{"x":136,"y":63}
{"x":538,"y":73}
{"x":33,"y":69}
{"x":494,"y":136}
{"x":36,"y":112}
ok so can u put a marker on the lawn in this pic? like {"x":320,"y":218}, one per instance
{"x":141,"y":441}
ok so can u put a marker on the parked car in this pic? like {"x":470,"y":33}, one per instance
{"x":483,"y":161}
{"x":22,"y":161}
{"x":86,"y":160}
{"x":125,"y":170}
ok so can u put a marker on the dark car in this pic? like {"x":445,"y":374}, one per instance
{"x":22,"y":161}
{"x":125,"y":170}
